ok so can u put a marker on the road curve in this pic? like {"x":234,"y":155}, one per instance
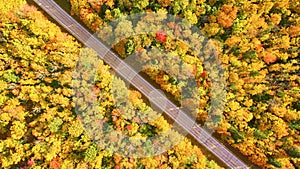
{"x":202,"y":136}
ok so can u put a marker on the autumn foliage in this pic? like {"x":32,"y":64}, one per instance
{"x":257,"y":44}
{"x":39,"y":124}
{"x":226,"y":15}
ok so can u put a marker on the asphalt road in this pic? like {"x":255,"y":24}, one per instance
{"x":83,"y":35}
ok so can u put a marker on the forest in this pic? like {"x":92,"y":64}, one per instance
{"x":256,"y":44}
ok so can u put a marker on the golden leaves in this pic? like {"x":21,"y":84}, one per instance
{"x":18,"y":130}
{"x":59,"y":100}
{"x":275,"y":18}
{"x":75,"y":129}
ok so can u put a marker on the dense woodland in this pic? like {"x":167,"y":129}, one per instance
{"x":39,"y":125}
{"x":257,"y":44}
